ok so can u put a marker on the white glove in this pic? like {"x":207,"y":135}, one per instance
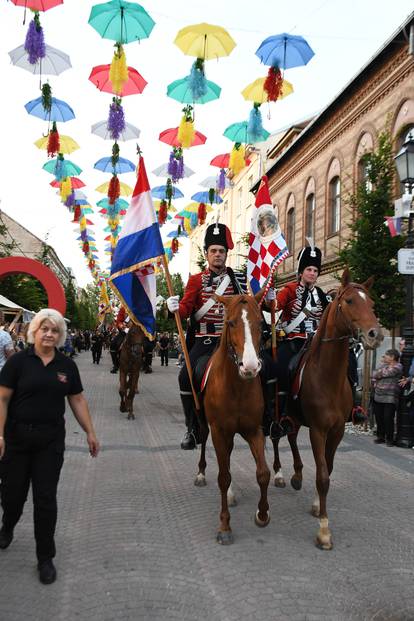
{"x":270,"y":295}
{"x":173,"y":303}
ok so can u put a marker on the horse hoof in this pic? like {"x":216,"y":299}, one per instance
{"x":296,"y":483}
{"x":131,"y":416}
{"x":314,"y":511}
{"x":122,"y":409}
{"x":200,"y":480}
{"x":232,"y":501}
{"x":279,"y":482}
{"x":324,"y":545}
{"x":225,"y":538}
{"x":260,"y":522}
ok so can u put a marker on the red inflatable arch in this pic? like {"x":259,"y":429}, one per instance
{"x":52,"y":285}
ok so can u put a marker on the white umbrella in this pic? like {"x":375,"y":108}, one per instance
{"x":54,"y":63}
{"x":162,"y":171}
{"x":212,"y":182}
{"x":101,"y":129}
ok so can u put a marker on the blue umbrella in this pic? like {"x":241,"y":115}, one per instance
{"x":121,"y":21}
{"x":203,"y":197}
{"x":120,"y":203}
{"x":178,"y":234}
{"x":160,"y":190}
{"x":122,"y":166}
{"x":239,"y":132}
{"x":81,"y":201}
{"x":180,"y":90}
{"x":285,"y":51}
{"x":60,"y":111}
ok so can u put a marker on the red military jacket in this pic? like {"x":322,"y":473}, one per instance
{"x":292,"y":299}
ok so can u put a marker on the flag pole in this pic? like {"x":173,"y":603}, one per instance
{"x":180,"y":332}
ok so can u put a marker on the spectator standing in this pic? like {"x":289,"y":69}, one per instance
{"x":6,"y":347}
{"x":96,"y":346}
{"x":164,"y":344}
{"x":386,"y":395}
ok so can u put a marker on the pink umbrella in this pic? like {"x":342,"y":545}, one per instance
{"x":222,"y":160}
{"x":38,"y":5}
{"x":134,"y":86}
{"x":76,"y":183}
{"x":169,"y":136}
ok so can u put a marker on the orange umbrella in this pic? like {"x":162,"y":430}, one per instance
{"x":134,"y":85}
{"x":169,"y":136}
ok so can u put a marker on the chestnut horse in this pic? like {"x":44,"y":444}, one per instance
{"x":325,"y":397}
{"x":130,"y":361}
{"x":233,"y":403}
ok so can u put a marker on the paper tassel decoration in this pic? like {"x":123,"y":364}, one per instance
{"x":254,"y":126}
{"x":53,"y":143}
{"x":186,"y":129}
{"x":162,"y":213}
{"x":47,"y":97}
{"x":174,"y":245}
{"x":201,"y":214}
{"x":197,"y":80}
{"x":118,"y":71}
{"x":116,"y":119}
{"x":65,"y":188}
{"x":115,"y":154}
{"x":70,"y":200}
{"x":193,"y":220}
{"x":273,"y":84}
{"x":176,"y":164}
{"x":169,"y":192}
{"x":35,"y":41}
{"x":237,"y":158}
{"x":114,"y":190}
{"x":221,"y":184}
{"x":60,"y":171}
{"x":211,"y":195}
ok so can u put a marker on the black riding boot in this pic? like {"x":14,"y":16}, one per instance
{"x":115,"y":361}
{"x":285,"y":424}
{"x":269,"y":394}
{"x":192,"y":435}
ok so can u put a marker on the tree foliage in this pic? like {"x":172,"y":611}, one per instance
{"x":165,"y":323}
{"x":372,"y":251}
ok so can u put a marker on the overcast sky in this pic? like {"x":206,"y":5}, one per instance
{"x":343,"y":34}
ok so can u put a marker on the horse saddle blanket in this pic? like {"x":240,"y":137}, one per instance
{"x":200,"y":373}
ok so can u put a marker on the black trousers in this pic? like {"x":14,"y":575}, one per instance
{"x":34,"y":455}
{"x":96,"y":354}
{"x":164,"y":356}
{"x":384,"y":415}
{"x":204,"y":346}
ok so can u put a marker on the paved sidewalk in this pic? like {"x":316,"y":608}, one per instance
{"x":136,"y":538}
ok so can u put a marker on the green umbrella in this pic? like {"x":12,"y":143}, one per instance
{"x":71,"y":169}
{"x":238,"y":132}
{"x":180,"y":90}
{"x":121,"y":21}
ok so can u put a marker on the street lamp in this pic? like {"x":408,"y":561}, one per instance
{"x":404,"y":162}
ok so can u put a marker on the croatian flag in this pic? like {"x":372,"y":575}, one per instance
{"x":394,"y":225}
{"x":139,"y":247}
{"x":267,"y":246}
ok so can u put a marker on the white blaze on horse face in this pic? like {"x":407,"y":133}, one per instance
{"x":363,"y":295}
{"x":250,"y":359}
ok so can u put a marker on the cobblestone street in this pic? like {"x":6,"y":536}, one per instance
{"x":136,"y":539}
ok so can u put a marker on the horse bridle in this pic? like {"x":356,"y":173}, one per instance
{"x":232,"y":352}
{"x":353,"y":332}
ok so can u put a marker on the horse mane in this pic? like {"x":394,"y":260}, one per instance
{"x":316,"y":341}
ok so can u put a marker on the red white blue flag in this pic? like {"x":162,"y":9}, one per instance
{"x":138,"y":249}
{"x":267,"y":246}
{"x":394,"y":225}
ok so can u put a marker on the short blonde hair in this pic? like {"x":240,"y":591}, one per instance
{"x":55,"y":317}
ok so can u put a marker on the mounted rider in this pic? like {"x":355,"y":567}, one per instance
{"x":118,"y":338}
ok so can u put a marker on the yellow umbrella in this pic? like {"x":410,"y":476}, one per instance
{"x":193,"y":208}
{"x":204,"y":41}
{"x":171,"y":209}
{"x":256,"y":93}
{"x":67,"y":144}
{"x":126,"y":190}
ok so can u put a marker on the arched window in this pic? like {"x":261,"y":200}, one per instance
{"x":290,"y":230}
{"x":334,"y":205}
{"x":310,"y":216}
{"x":363,"y":173}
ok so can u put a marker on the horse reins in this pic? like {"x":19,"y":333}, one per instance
{"x":353,"y":332}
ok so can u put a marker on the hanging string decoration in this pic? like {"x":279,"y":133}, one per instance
{"x":211,"y":195}
{"x":186,"y":129}
{"x":174,"y":246}
{"x":202,"y":213}
{"x":114,"y":190}
{"x":53,"y":142}
{"x":118,"y":71}
{"x":169,"y":191}
{"x":116,"y":118}
{"x":47,"y":97}
{"x":65,"y":188}
{"x":115,"y":154}
{"x":162,"y":212}
{"x":193,"y":220}
{"x":176,"y":164}
{"x":70,"y":200}
{"x":60,"y":171}
{"x":221,"y":183}
{"x":35,"y":41}
{"x":197,"y":80}
{"x":237,"y":158}
{"x":273,"y":84}
{"x":255,"y":126}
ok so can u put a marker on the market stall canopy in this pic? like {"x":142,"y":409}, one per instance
{"x":8,"y":305}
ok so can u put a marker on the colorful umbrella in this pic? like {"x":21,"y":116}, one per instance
{"x":129,"y":133}
{"x":169,"y":136}
{"x":181,"y":91}
{"x":38,"y":5}
{"x":162,"y":171}
{"x":177,"y":233}
{"x":60,"y":110}
{"x":71,"y":169}
{"x":204,"y":197}
{"x":285,"y":51}
{"x":121,"y":21}
{"x":238,"y":132}
{"x":134,"y":85}
{"x":123,"y":165}
{"x":53,"y":63}
{"x":255,"y":91}
{"x":125,"y":189}
{"x":222,"y":161}
{"x":204,"y":41}
{"x":74,"y":182}
{"x":160,"y":192}
{"x":79,"y":195}
{"x":120,"y":203}
{"x":67,"y":144}
{"x":212,"y":182}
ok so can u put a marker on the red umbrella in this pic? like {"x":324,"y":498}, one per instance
{"x":222,"y":160}
{"x":75,"y":182}
{"x":134,"y":86}
{"x":38,"y":5}
{"x":169,"y":136}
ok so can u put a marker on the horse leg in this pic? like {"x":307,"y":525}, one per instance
{"x":334,"y":438}
{"x":279,"y":481}
{"x":257,"y":444}
{"x":200,"y":480}
{"x":318,"y":441}
{"x":122,"y":390}
{"x":223,"y":446}
{"x":296,"y":480}
{"x":130,"y":397}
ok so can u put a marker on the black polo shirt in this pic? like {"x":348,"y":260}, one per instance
{"x":39,"y":390}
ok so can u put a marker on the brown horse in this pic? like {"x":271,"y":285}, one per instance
{"x":325,"y":396}
{"x":233,"y":403}
{"x":130,"y":361}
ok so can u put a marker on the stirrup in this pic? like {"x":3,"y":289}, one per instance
{"x":282,"y":428}
{"x":189,"y":442}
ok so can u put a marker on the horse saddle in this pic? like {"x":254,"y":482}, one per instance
{"x":200,"y":373}
{"x":295,"y":369}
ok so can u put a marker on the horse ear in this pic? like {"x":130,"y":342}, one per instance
{"x":346,"y":277}
{"x":368,"y":283}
